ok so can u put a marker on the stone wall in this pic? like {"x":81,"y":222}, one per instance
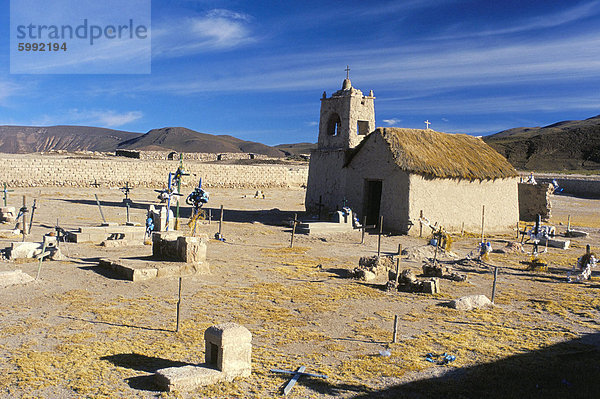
{"x":578,"y":185}
{"x":39,"y":170}
{"x":534,"y":199}
{"x":188,"y":156}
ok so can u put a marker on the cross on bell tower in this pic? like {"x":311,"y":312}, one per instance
{"x":347,"y":71}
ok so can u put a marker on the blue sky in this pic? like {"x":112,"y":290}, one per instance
{"x":256,"y":69}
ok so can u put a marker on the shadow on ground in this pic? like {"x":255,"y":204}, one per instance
{"x":565,"y":370}
{"x":274,"y":216}
{"x":144,"y":363}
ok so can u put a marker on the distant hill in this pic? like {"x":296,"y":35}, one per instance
{"x":186,"y":140}
{"x":26,"y":139}
{"x":567,"y":145}
{"x":296,"y":149}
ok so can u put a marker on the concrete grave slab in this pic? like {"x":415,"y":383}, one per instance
{"x":172,"y":255}
{"x":97,"y":234}
{"x":228,"y":355}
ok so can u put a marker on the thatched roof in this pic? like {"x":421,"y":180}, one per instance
{"x":443,"y":155}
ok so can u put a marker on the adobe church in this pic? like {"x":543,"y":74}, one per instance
{"x":399,"y":173}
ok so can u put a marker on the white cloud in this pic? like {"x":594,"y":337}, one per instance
{"x":313,"y":123}
{"x":574,"y":14}
{"x":10,"y":89}
{"x":101,"y":118}
{"x":218,"y":29}
{"x":391,"y":122}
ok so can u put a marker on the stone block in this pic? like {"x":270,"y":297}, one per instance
{"x":471,"y":302}
{"x":174,"y":247}
{"x":229,"y":348}
{"x":431,"y":286}
{"x":8,"y":214}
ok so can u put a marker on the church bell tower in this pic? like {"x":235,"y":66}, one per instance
{"x":347,"y":117}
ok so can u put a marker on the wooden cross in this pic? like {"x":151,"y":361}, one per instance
{"x":320,"y":205}
{"x":295,"y":222}
{"x":95,"y":184}
{"x":427,"y":123}
{"x":296,"y":376}
{"x":6,"y":191}
{"x":347,"y":71}
{"x":126,"y":191}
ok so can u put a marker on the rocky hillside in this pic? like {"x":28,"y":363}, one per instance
{"x":26,"y":139}
{"x":187,"y":140}
{"x":29,"y":139}
{"x":568,"y":145}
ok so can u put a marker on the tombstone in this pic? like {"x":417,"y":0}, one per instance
{"x":8,"y":214}
{"x":159,"y":218}
{"x":228,"y":348}
{"x":228,"y":355}
{"x":343,"y":217}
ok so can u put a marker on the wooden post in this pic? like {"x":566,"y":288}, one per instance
{"x":364,"y":227}
{"x":421,"y":224}
{"x":379,"y":236}
{"x":482,"y":222}
{"x":437,"y":245}
{"x":517,"y":231}
{"x":41,"y":259}
{"x":569,"y":223}
{"x":100,"y":207}
{"x":462,"y":229}
{"x":398,"y":263}
{"x":178,"y":305}
{"x":293,"y":230}
{"x":209,"y":215}
{"x":221,"y":221}
{"x":23,"y":220}
{"x":395,"y":337}
{"x":494,"y":286}
{"x":33,"y":208}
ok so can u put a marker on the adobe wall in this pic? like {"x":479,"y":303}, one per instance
{"x":52,"y":170}
{"x":326,"y":180}
{"x":450,"y":202}
{"x":534,"y":199}
{"x":578,"y":185}
{"x":394,"y":188}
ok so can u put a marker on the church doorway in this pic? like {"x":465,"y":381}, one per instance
{"x":372,"y":201}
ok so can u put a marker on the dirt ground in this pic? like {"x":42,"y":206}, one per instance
{"x":80,"y":331}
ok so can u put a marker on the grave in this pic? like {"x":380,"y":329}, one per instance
{"x":24,"y":250}
{"x":160,"y":217}
{"x":228,"y":352}
{"x":98,"y":234}
{"x":407,"y":282}
{"x":371,"y":267}
{"x":343,"y":221}
{"x":172,"y":255}
{"x":8,"y":214}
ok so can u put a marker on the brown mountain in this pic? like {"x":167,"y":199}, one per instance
{"x":297,"y":148}
{"x":567,"y":145}
{"x":187,"y":140}
{"x":25,"y":139}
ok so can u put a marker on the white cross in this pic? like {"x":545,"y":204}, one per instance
{"x":427,"y":123}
